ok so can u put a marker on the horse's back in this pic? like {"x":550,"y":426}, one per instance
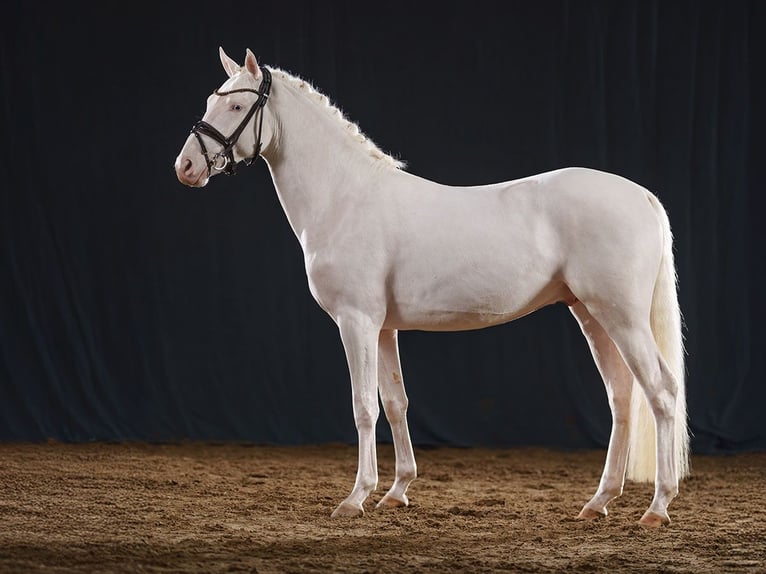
{"x":543,"y":217}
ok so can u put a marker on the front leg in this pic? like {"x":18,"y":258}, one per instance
{"x":360,"y":340}
{"x":394,"y":400}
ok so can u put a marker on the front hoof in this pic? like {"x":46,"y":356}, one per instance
{"x":654,"y":520}
{"x":391,"y":502}
{"x":590,"y":514}
{"x":347,"y":510}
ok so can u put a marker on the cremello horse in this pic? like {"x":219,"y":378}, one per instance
{"x":386,"y":251}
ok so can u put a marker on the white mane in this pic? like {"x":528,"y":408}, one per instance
{"x":323,"y":101}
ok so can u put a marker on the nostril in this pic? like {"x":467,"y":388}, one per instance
{"x":187,"y":166}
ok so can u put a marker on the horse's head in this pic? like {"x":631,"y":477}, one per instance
{"x":236,"y":109}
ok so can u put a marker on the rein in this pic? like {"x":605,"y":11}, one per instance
{"x":226,"y":154}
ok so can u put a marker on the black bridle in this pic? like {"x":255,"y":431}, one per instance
{"x":202,"y":128}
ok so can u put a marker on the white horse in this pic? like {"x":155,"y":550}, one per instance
{"x":386,"y":251}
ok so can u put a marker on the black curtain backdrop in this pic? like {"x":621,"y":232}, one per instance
{"x":133,"y":308}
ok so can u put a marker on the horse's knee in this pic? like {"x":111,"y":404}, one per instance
{"x":365,"y":416}
{"x":395,"y":408}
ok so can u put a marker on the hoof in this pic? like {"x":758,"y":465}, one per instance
{"x":391,"y":502}
{"x":590,"y":514}
{"x":347,"y":510}
{"x":654,"y":520}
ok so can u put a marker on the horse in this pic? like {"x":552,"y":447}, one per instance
{"x":386,"y":251}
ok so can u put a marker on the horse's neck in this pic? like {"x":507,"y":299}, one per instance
{"x":318,"y":169}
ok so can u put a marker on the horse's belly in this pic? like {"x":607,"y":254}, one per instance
{"x":424,"y":320}
{"x":432,"y":314}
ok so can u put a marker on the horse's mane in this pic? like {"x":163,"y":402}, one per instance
{"x":315,"y":96}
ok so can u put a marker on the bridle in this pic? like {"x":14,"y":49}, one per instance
{"x":226,"y":154}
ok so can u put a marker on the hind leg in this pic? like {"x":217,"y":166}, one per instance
{"x":618,"y":381}
{"x":633,"y":337}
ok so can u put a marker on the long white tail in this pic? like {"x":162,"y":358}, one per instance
{"x":667,"y":330}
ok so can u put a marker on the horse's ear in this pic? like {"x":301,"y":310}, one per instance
{"x":229,"y":65}
{"x":251,"y":64}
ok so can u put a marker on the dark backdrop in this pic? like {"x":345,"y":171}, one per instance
{"x":134,"y":308}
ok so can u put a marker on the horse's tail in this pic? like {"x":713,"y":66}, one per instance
{"x":667,"y":329}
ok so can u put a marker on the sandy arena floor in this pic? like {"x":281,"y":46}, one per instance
{"x":234,"y":508}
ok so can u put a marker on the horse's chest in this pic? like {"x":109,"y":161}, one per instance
{"x":339,"y":278}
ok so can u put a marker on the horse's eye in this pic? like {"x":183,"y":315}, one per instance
{"x":236,"y":107}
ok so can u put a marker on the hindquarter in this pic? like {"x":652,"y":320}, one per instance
{"x":613,"y":238}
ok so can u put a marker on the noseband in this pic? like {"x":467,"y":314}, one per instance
{"x":226,"y":154}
